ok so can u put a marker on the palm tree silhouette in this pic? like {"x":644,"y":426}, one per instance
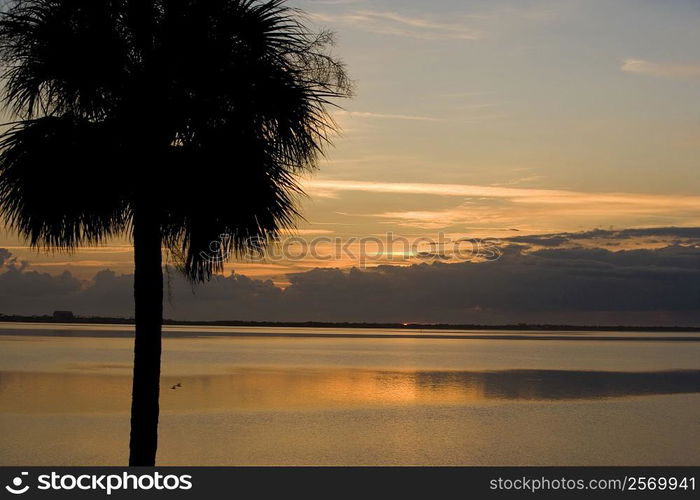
{"x":176,"y":122}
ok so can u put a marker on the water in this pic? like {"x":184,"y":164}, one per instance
{"x":273,"y":396}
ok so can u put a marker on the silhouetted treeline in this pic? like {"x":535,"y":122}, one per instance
{"x":323,"y":324}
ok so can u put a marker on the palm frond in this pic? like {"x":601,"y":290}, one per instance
{"x":62,"y":56}
{"x":253,"y":87}
{"x":53,"y":190}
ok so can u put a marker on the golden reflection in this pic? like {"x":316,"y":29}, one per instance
{"x":288,"y":389}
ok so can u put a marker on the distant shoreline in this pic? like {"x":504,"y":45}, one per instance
{"x":320,"y":324}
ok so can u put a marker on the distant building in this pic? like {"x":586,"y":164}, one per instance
{"x":63,"y":316}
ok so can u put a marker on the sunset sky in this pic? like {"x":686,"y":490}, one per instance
{"x":499,"y":119}
{"x":543,"y":116}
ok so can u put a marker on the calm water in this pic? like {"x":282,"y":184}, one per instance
{"x":294,"y":396}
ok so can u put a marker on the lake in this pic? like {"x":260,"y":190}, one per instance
{"x":293,"y":396}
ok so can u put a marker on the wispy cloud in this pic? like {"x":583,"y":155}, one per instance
{"x":475,"y":106}
{"x":516,"y":205}
{"x":372,"y":159}
{"x":524,"y":195}
{"x":462,"y":95}
{"x":385,"y":116}
{"x":308,"y":231}
{"x":334,"y":2}
{"x":661,"y":69}
{"x":394,"y":23}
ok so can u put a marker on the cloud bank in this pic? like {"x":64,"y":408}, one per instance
{"x":532,"y":282}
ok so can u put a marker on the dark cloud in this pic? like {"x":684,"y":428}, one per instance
{"x":612,"y":237}
{"x":4,"y":256}
{"x":542,"y":240}
{"x":584,"y":286}
{"x":549,"y":285}
{"x":31,"y":292}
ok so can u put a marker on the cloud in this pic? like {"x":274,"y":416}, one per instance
{"x":30,"y":292}
{"x":397,"y":24}
{"x":525,"y":195}
{"x":385,"y":116}
{"x":335,"y":2}
{"x":566,"y":285}
{"x":4,"y":256}
{"x":308,"y":232}
{"x":548,"y":284}
{"x":508,"y":205}
{"x":661,"y":69}
{"x":676,"y":235}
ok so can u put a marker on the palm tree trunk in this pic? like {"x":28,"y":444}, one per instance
{"x":148,"y":298}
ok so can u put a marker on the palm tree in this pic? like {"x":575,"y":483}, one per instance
{"x":176,"y":122}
